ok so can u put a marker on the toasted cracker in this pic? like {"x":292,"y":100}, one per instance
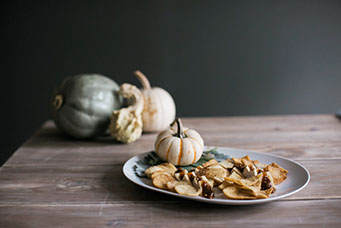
{"x":261,"y":195}
{"x":233,"y":192}
{"x":168,"y":167}
{"x":236,"y":170}
{"x":184,"y":188}
{"x":214,"y":171}
{"x":210,"y":162}
{"x":237,"y":162}
{"x":236,"y":176}
{"x":164,"y":167}
{"x":269,"y":191}
{"x":259,"y":165}
{"x":171,"y":185}
{"x":225,"y":184}
{"x":278,"y":173}
{"x":227,"y":164}
{"x":218,"y":180}
{"x":253,"y":187}
{"x":254,"y":181}
{"x":154,"y":174}
{"x":246,"y":161}
{"x":161,"y":180}
{"x":152,"y":170}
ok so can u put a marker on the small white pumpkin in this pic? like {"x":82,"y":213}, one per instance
{"x":179,"y":146}
{"x":159,"y":107}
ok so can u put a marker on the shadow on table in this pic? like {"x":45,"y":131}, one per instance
{"x":122,"y":190}
{"x":53,"y":137}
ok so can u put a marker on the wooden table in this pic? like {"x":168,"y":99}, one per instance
{"x":54,"y":181}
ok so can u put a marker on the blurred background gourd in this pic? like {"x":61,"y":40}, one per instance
{"x":159,"y":107}
{"x":81,"y":105}
{"x":126,"y":123}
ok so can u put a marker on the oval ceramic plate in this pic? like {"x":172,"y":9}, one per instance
{"x":298,"y":176}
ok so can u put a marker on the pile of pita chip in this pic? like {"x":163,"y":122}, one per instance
{"x":238,"y":178}
{"x":251,"y":179}
{"x":166,"y":176}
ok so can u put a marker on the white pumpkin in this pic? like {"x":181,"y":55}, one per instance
{"x":159,"y":107}
{"x":179,"y":146}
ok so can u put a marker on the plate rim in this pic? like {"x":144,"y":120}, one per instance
{"x":220,"y":201}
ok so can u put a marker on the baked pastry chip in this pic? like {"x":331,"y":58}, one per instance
{"x":154,"y":174}
{"x":227,"y":164}
{"x":236,"y":176}
{"x":245,"y":188}
{"x":210,"y":162}
{"x":237,"y":162}
{"x":278,"y":173}
{"x":214,"y":171}
{"x":233,"y":192}
{"x":254,"y":190}
{"x":171,"y":185}
{"x":236,"y":170}
{"x":218,"y":180}
{"x":246,"y":183}
{"x":246,"y":161}
{"x":152,"y":170}
{"x":254,"y":181}
{"x":184,"y":188}
{"x":165,"y":167}
{"x":259,"y":165}
{"x":268,"y":192}
{"x":225,"y":184}
{"x":161,"y":180}
{"x":168,"y":167}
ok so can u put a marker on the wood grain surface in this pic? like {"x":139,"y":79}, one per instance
{"x":56,"y":181}
{"x":176,"y":214}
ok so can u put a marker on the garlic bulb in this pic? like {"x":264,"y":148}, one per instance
{"x":126,"y":123}
{"x":159,"y":107}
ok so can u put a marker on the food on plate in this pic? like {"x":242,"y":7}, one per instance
{"x":238,"y":178}
{"x":159,"y":107}
{"x":214,"y":172}
{"x":186,"y":188}
{"x":278,"y":173}
{"x":179,"y":145}
{"x":164,"y":167}
{"x":161,"y":180}
{"x":126,"y":123}
{"x":81,"y":105}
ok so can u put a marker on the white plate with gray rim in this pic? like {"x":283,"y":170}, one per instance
{"x":298,"y":176}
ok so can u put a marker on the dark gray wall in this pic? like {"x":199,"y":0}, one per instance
{"x":217,"y":58}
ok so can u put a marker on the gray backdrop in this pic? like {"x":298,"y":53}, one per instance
{"x":217,"y":58}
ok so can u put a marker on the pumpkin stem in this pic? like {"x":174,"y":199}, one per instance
{"x":57,"y":101}
{"x":180,"y":132}
{"x":143,"y":79}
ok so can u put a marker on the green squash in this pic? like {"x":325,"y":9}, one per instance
{"x":81,"y":106}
